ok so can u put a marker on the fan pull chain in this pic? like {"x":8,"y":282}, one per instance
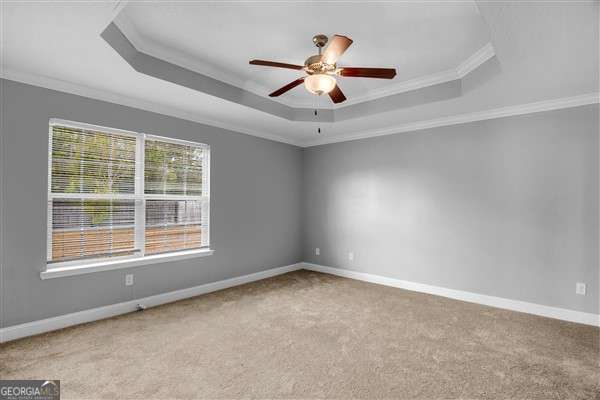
{"x":317,"y":114}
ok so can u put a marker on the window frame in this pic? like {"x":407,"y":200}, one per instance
{"x":77,"y":266}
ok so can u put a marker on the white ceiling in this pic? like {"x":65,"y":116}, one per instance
{"x":543,"y":51}
{"x":219,"y":40}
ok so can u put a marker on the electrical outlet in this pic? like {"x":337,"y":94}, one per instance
{"x":351,"y":256}
{"x":128,"y":279}
{"x":580,"y":288}
{"x":318,"y":251}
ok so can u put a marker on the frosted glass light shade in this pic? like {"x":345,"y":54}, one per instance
{"x":319,"y":83}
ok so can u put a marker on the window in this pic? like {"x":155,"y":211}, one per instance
{"x":116,"y":195}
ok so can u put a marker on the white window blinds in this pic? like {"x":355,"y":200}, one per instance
{"x":114,"y":193}
{"x":176,"y":185}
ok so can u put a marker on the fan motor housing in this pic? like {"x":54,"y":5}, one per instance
{"x":313,"y":65}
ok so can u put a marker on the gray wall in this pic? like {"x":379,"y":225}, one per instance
{"x":255,"y":213}
{"x":505,"y":207}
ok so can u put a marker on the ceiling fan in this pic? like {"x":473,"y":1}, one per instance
{"x":322,"y":69}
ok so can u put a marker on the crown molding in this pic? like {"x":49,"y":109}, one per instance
{"x":85,"y":91}
{"x":478,"y":58}
{"x":154,"y":49}
{"x":402,"y":87}
{"x":117,"y":8}
{"x":521,"y":109}
{"x":464,"y":68}
{"x":98,"y":94}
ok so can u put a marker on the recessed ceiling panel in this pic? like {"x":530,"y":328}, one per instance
{"x":417,"y":39}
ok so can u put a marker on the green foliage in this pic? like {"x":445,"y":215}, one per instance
{"x":86,"y":161}
{"x":92,"y":162}
{"x":172,"y":169}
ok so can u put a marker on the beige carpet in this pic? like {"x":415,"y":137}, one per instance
{"x":311,"y":335}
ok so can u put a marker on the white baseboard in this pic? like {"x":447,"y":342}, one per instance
{"x":499,"y":302}
{"x":63,"y":321}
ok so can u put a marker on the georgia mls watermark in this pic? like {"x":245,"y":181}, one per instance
{"x":29,"y":390}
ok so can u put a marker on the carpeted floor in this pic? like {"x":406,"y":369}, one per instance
{"x":312,"y":335}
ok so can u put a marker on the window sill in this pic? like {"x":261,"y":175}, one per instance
{"x":58,"y":272}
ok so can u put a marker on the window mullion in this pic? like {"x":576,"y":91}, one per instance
{"x":140,"y":202}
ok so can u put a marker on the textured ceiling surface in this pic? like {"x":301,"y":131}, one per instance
{"x":543,"y":50}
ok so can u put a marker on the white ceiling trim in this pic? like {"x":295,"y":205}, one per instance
{"x":86,"y":91}
{"x":119,"y":6}
{"x":402,"y":87}
{"x":521,"y":109}
{"x":528,"y":108}
{"x":148,"y":47}
{"x":478,"y":58}
{"x":474,"y":61}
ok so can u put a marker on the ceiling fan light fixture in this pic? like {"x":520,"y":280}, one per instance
{"x":321,"y":69}
{"x":320,"y":83}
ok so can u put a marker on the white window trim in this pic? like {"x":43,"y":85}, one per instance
{"x":125,"y":262}
{"x":83,"y":266}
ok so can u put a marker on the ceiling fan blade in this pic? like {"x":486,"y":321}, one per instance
{"x":379,"y":73}
{"x":336,"y":47}
{"x":287,"y":87}
{"x":275,"y":64}
{"x":336,"y":95}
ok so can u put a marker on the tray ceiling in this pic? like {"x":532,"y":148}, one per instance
{"x":59,"y":46}
{"x":220,"y":40}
